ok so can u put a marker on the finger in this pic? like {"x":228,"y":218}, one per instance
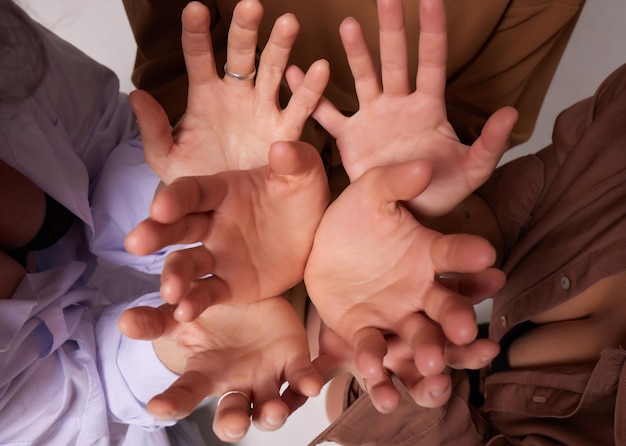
{"x":393,"y":48}
{"x":182,"y":267}
{"x":398,"y":182}
{"x":293,"y":158}
{"x":146,"y":323}
{"x":275,"y":55}
{"x":307,"y":95}
{"x":327,"y":366}
{"x":426,"y":342}
{"x":473,"y":356}
{"x":325,"y":113}
{"x":453,"y":312}
{"x":306,"y":382}
{"x":188,"y":195}
{"x":370,"y":348}
{"x":202,"y":294}
{"x":293,"y":399}
{"x":303,"y":377}
{"x":336,"y":357}
{"x":383,"y":393}
{"x":269,"y":412}
{"x":197,"y":45}
{"x":487,"y":150}
{"x":432,"y":391}
{"x":475,"y":286}
{"x":154,"y":125}
{"x":149,"y":236}
{"x":364,"y":71}
{"x":232,"y":418}
{"x":461,"y":253}
{"x":242,"y":39}
{"x":433,"y":50}
{"x":181,"y":398}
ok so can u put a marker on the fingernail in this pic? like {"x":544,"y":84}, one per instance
{"x":234,"y":435}
{"x":438,"y":393}
{"x":275,"y":422}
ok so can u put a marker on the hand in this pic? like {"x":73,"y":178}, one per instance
{"x":253,"y":348}
{"x":256,"y":228}
{"x":383,"y":271}
{"x":229,"y":124}
{"x":395,"y":125}
{"x":337,"y":357}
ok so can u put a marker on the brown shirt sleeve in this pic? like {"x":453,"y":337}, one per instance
{"x":563,"y":210}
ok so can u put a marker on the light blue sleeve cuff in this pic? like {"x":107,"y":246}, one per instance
{"x":144,"y":373}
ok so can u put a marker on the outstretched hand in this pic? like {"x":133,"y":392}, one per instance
{"x":229,"y":123}
{"x":336,"y":356}
{"x":256,"y":228}
{"x":394,"y":124}
{"x":383,"y":272}
{"x":251,"y":348}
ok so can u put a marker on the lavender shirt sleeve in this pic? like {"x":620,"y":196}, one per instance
{"x":130,"y":370}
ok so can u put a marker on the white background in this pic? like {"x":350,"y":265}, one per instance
{"x":597,"y":47}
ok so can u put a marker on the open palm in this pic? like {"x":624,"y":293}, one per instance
{"x":373,"y":267}
{"x":229,"y":124}
{"x":254,"y":348}
{"x":394,"y":124}
{"x":256,"y":228}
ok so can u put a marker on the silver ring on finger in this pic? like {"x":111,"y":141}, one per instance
{"x":237,"y":76}
{"x":244,"y":395}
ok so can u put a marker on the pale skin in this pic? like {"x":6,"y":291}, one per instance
{"x":431,"y":391}
{"x":229,"y":124}
{"x":229,"y":346}
{"x":253,"y":242}
{"x":248,"y":339}
{"x":432,"y":359}
{"x":394,"y":124}
{"x":379,"y":284}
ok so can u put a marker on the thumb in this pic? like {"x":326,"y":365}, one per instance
{"x":397,"y":182}
{"x":154,"y":126}
{"x":293,"y":158}
{"x":147,"y":323}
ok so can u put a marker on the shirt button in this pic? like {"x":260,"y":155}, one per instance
{"x":504,"y":321}
{"x":565,"y":283}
